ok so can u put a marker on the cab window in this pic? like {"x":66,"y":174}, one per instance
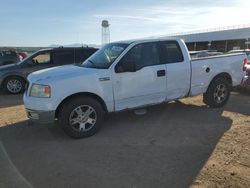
{"x":171,"y":52}
{"x":142,"y":55}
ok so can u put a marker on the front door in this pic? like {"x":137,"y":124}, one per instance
{"x":41,"y":61}
{"x":147,"y":85}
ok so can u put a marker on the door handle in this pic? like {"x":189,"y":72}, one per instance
{"x":161,"y":73}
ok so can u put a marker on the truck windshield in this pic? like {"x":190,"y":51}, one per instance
{"x":104,"y":57}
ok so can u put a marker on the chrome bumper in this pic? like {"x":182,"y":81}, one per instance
{"x":42,"y":117}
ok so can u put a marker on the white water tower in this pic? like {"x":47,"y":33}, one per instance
{"x":105,"y":32}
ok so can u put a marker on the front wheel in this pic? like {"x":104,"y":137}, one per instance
{"x":81,"y":117}
{"x":217,"y":94}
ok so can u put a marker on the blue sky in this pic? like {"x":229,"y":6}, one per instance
{"x":42,"y":23}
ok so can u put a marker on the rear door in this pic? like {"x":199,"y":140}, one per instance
{"x":81,"y":54}
{"x":178,"y":70}
{"x":145,"y":86}
{"x":63,"y":57}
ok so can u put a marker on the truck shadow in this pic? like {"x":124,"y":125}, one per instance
{"x":167,"y":147}
{"x":239,"y":103}
{"x":10,"y":100}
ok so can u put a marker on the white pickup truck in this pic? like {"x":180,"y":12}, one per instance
{"x":128,"y":75}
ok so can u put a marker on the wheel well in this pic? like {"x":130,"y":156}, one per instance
{"x":2,"y":84}
{"x":83,"y":94}
{"x":225,"y":76}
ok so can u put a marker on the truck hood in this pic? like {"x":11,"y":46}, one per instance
{"x":62,"y":72}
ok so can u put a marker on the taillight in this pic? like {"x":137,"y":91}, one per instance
{"x":245,"y":62}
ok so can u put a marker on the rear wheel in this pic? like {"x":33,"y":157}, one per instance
{"x":81,"y":117}
{"x":217,"y":94}
{"x":14,"y":85}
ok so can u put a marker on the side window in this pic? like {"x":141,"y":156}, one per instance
{"x":63,"y":57}
{"x":143,"y":55}
{"x":82,"y":54}
{"x":79,"y":56}
{"x":42,"y":58}
{"x":171,"y":52}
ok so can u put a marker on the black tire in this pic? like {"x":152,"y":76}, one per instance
{"x":217,"y":93}
{"x":69,"y":108}
{"x":20,"y":83}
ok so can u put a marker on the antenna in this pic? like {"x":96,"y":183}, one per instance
{"x":105,"y":32}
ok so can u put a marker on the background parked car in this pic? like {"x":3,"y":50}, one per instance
{"x":9,"y":57}
{"x":246,"y":51}
{"x":13,"y":76}
{"x":204,"y":53}
{"x":246,"y":83}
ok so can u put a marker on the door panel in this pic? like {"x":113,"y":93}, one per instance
{"x":145,"y":86}
{"x":178,"y":80}
{"x":139,"y":88}
{"x":177,"y":70}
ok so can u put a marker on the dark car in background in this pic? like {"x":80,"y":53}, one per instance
{"x":9,"y":57}
{"x":13,"y":76}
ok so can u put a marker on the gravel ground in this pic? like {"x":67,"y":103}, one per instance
{"x":179,"y":144}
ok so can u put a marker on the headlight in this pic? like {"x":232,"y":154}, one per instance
{"x":42,"y":91}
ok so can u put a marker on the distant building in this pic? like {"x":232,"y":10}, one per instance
{"x":221,"y":39}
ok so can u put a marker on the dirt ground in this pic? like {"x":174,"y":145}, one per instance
{"x":179,"y":144}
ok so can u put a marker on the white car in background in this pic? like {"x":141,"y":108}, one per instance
{"x":204,"y":53}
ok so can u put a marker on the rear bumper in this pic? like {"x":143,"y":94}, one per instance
{"x":41,"y":117}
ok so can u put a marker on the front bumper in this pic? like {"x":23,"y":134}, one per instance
{"x":41,"y":117}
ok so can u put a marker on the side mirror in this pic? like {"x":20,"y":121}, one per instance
{"x":126,"y":66}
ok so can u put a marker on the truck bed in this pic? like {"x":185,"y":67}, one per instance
{"x":206,"y":68}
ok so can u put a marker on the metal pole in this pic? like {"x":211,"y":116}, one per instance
{"x":209,"y":45}
{"x":226,"y":47}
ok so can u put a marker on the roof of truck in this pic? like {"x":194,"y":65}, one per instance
{"x":148,"y":40}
